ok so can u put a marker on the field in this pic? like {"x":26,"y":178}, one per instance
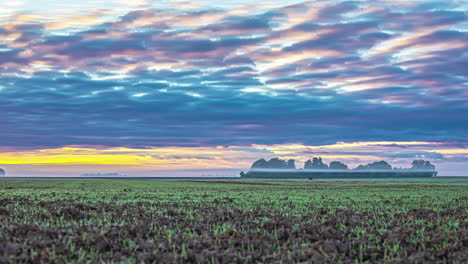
{"x":136,"y":221}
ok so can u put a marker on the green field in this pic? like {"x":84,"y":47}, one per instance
{"x":169,"y":221}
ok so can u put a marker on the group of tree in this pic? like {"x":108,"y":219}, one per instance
{"x":378,"y":165}
{"x":2,"y":172}
{"x":422,"y":165}
{"x":274,"y":163}
{"x":317,"y":164}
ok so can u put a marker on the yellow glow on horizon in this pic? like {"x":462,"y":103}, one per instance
{"x":211,"y":157}
{"x":71,"y":159}
{"x":202,"y":157}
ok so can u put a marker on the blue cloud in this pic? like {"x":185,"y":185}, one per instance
{"x":249,"y":78}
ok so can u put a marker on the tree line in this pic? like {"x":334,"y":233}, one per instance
{"x":317,"y":164}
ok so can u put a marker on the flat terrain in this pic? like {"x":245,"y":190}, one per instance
{"x":233,"y":221}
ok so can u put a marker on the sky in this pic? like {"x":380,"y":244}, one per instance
{"x":191,"y":88}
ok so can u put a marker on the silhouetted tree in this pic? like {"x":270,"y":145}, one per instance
{"x":242,"y":174}
{"x":277,"y":163}
{"x":261,"y":163}
{"x":315,"y":164}
{"x":361,"y":167}
{"x":274,"y":163}
{"x":318,"y":163}
{"x":422,"y":165}
{"x":338,"y":165}
{"x":378,"y":165}
{"x":2,"y":172}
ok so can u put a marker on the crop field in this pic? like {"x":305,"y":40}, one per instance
{"x":233,"y":221}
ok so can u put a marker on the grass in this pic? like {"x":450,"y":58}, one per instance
{"x":239,"y":221}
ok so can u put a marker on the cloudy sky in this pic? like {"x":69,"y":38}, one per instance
{"x":180,"y":87}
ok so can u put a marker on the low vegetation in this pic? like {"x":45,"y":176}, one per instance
{"x":236,"y":221}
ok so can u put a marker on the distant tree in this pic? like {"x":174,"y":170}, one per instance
{"x":2,"y":172}
{"x":361,"y":167}
{"x":261,"y":163}
{"x":430,"y":166}
{"x":318,"y":163}
{"x":378,"y":165}
{"x":338,"y":165}
{"x":274,"y":163}
{"x":422,"y":165}
{"x":315,"y":164}
{"x":277,"y":163}
{"x":242,"y":174}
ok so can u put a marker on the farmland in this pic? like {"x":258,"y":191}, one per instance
{"x":135,"y":221}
